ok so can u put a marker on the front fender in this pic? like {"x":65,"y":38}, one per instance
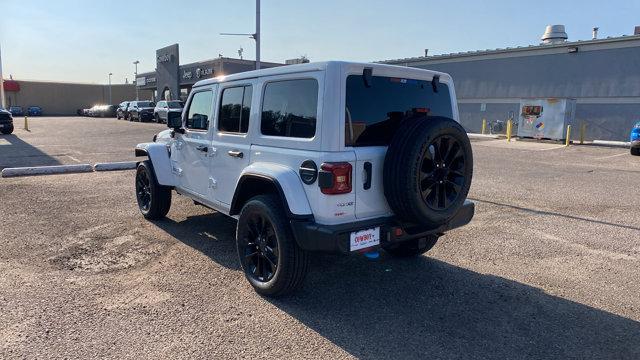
{"x":288,"y":182}
{"x":160,"y":159}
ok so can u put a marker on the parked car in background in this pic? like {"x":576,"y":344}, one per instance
{"x":34,"y":111}
{"x":6,"y":121}
{"x":635,"y":139}
{"x":121,"y":111}
{"x":165,"y":107}
{"x":101,"y":111}
{"x":141,"y":110}
{"x":108,"y":111}
{"x":16,"y":110}
{"x":93,"y":111}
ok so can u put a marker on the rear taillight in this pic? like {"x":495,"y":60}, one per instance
{"x":335,"y":178}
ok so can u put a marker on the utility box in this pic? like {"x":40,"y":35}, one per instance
{"x":545,"y":118}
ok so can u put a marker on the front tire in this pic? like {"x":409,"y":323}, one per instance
{"x":154,"y":200}
{"x":7,"y":131}
{"x":635,"y":151}
{"x":413,"y":247}
{"x":270,"y":257}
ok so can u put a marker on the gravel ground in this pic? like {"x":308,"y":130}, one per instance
{"x":547,"y":269}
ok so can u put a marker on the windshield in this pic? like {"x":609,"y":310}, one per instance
{"x":146,"y":104}
{"x":175,"y":104}
{"x":374,"y":113}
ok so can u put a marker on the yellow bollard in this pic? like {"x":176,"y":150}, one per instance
{"x":568,"y":140}
{"x":484,"y":126}
{"x":26,"y":123}
{"x":509,"y":131}
{"x":583,"y":129}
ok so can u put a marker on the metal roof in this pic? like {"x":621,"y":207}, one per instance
{"x":524,"y":50}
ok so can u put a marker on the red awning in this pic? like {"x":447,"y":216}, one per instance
{"x":11,"y":85}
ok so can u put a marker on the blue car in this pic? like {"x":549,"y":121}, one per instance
{"x":34,"y":111}
{"x":635,"y":140}
{"x":16,"y":110}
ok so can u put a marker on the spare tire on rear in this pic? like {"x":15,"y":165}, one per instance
{"x":427,"y":170}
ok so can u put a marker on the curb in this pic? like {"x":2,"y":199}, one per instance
{"x":115,"y":166}
{"x":46,"y":170}
{"x":482,"y":136}
{"x":621,"y":144}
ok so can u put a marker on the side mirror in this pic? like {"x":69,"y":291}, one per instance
{"x":174,"y":121}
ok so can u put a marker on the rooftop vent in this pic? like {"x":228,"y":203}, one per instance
{"x":554,"y":34}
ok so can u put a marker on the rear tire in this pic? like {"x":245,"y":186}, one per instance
{"x":154,"y":200}
{"x":635,"y":151}
{"x":270,"y":257}
{"x":413,"y":247}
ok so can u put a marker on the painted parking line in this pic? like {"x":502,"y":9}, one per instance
{"x":612,"y":156}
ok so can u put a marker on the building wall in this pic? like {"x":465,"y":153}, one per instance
{"x":603,"y":77}
{"x":67,"y":98}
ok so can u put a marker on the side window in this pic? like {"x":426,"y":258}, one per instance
{"x":235,"y":109}
{"x":199,"y":111}
{"x":289,"y":108}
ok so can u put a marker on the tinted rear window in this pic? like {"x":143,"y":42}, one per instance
{"x":146,"y":104}
{"x":374,"y":113}
{"x":289,"y":108}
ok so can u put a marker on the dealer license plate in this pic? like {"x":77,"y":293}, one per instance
{"x":365,"y":238}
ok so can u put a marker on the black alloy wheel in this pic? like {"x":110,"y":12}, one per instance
{"x":154,"y":200}
{"x":143,"y":190}
{"x":441,"y":175}
{"x":261,"y":252}
{"x":271,"y":259}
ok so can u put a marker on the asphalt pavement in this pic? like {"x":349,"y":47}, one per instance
{"x":547,"y":269}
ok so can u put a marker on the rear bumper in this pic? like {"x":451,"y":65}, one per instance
{"x":311,"y":236}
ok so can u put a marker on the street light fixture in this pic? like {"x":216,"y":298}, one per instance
{"x":110,"y":100}
{"x":136,"y":78}
{"x":255,"y":36}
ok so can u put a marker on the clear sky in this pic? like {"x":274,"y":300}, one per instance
{"x":74,"y":40}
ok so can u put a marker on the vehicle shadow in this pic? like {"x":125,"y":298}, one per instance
{"x":15,"y":152}
{"x":212,"y":234}
{"x":425,"y":308}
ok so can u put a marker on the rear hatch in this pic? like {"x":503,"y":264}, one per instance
{"x":374,"y":110}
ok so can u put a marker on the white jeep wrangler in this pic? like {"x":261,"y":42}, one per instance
{"x":334,"y":157}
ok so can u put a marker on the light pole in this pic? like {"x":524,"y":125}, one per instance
{"x":255,"y":36}
{"x":110,"y":101}
{"x":136,"y":77}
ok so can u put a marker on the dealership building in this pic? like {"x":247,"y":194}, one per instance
{"x":602,"y":75}
{"x":171,"y":81}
